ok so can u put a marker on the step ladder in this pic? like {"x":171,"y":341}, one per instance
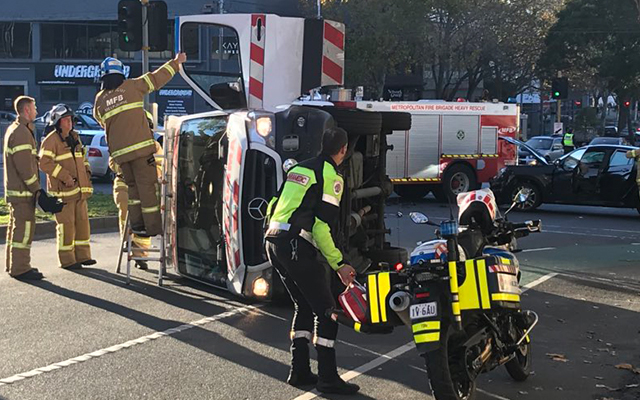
{"x":127,"y":248}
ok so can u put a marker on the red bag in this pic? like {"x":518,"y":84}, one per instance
{"x":354,"y":302}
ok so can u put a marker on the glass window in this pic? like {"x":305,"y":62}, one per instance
{"x":56,"y":94}
{"x":593,"y":159}
{"x":51,"y":40}
{"x":75,"y":42}
{"x":15,"y":40}
{"x":99,"y":39}
{"x":619,"y":159}
{"x":572,"y":159}
{"x":540,"y":144}
{"x":103,"y":141}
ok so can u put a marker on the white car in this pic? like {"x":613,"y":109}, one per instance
{"x":94,"y":140}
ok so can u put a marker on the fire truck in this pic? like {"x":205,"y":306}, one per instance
{"x":223,"y":166}
{"x":451,"y":148}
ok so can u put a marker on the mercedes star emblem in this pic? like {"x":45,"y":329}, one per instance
{"x":258,"y":208}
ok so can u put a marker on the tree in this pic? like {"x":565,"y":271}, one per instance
{"x":597,"y":43}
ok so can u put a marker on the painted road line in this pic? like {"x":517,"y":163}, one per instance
{"x":540,"y":249}
{"x":538,"y":281}
{"x":125,"y":345}
{"x":582,"y":234}
{"x":598,"y":229}
{"x":347,"y":376}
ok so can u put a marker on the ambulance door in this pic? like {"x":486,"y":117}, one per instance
{"x":214,"y":49}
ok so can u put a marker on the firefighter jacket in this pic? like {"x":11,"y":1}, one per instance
{"x":121,"y":113}
{"x":21,"y":177}
{"x":62,"y":163}
{"x":309,"y":206}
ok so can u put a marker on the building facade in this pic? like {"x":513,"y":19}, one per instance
{"x":52,"y":50}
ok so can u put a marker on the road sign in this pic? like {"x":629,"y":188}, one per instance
{"x":558,"y":128}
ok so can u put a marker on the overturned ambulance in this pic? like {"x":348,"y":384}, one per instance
{"x":222,"y":167}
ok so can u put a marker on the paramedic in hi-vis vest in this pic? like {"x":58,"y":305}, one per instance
{"x":567,"y":141}
{"x":120,"y":110}
{"x":301,"y":222}
{"x":21,"y":185}
{"x":121,"y":198}
{"x":62,"y":158}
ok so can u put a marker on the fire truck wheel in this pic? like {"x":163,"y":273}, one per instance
{"x":357,"y":122}
{"x":458,"y":178}
{"x":395,"y":121}
{"x":411,"y":192}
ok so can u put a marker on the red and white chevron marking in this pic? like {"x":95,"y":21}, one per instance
{"x":256,"y":68}
{"x":333,"y":54}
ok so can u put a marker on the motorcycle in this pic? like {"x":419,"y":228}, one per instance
{"x":460,"y":296}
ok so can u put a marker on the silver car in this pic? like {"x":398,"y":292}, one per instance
{"x":549,"y":147}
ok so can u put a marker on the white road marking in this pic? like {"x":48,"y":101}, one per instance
{"x":495,"y":396}
{"x":125,"y":345}
{"x":538,"y":281}
{"x":540,"y":249}
{"x":347,"y":376}
{"x":375,"y":353}
{"x":599,"y":229}
{"x":580,"y":234}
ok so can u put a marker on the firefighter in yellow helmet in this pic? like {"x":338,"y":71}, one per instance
{"x":21,"y":185}
{"x":119,"y":108}
{"x":121,"y":198}
{"x":62,"y":158}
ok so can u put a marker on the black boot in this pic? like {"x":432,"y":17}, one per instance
{"x":328,"y":379}
{"x":300,"y":374}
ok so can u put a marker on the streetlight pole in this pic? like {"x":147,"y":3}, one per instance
{"x":145,"y":46}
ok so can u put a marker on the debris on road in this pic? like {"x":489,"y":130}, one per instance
{"x":629,"y":367}
{"x":557,"y":357}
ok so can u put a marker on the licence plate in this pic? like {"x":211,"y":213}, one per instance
{"x":424,"y":310}
{"x":508,"y":284}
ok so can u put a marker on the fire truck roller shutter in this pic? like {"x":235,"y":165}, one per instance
{"x":395,"y":121}
{"x":357,"y":122}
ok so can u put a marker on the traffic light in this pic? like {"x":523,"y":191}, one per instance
{"x":158,"y":25}
{"x":130,"y":25}
{"x":560,"y":88}
{"x":578,"y":103}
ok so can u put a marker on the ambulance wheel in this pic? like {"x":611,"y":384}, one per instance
{"x":458,"y":178}
{"x":357,"y":122}
{"x":395,"y":121}
{"x":446,"y":369}
{"x":411,"y":192}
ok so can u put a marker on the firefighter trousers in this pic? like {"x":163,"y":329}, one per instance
{"x":312,"y":285}
{"x":73,"y":233}
{"x":144,"y":204}
{"x":22,"y":223}
{"x":138,"y":244}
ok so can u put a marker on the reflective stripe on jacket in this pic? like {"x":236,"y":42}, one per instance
{"x":21,"y":178}
{"x":309,"y":206}
{"x":121,"y":113}
{"x":62,"y":163}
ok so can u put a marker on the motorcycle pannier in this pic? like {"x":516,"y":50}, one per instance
{"x":488,"y":282}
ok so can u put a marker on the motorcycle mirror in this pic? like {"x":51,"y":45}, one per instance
{"x":419,"y":218}
{"x":399,"y":214}
{"x":288,"y":164}
{"x":522,"y":196}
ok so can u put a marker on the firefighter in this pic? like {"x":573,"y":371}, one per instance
{"x":121,"y":198}
{"x":119,"y":108}
{"x":567,"y":141}
{"x":301,"y":222}
{"x":62,"y":158}
{"x":21,"y":187}
{"x":635,"y":154}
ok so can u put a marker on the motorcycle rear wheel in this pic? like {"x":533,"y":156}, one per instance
{"x":519,"y":368}
{"x":446,"y":368}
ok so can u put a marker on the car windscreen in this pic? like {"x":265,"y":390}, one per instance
{"x":87,"y":122}
{"x":605,"y":141}
{"x":540,"y":143}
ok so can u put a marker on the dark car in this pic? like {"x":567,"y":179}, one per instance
{"x":608,"y":140}
{"x":598,"y":175}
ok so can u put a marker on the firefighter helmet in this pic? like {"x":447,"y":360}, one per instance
{"x":58,"y":112}
{"x":111,"y":65}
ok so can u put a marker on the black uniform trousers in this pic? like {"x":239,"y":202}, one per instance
{"x":312,"y":285}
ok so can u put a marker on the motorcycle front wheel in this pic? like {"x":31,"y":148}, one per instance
{"x":447,"y":370}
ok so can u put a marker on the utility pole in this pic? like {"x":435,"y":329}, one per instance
{"x":145,"y":45}
{"x":319,"y":9}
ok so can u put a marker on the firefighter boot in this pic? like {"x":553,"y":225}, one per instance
{"x":300,"y":374}
{"x":328,"y":379}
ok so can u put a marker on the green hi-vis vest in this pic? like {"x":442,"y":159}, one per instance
{"x":309,"y":206}
{"x":568,"y":140}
